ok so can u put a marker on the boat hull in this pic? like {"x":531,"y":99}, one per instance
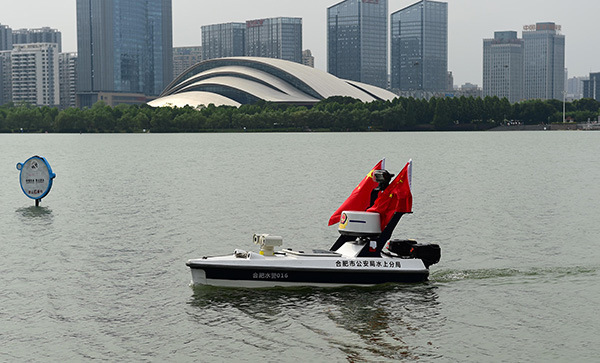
{"x":291,"y":272}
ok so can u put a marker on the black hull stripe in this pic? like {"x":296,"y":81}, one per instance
{"x":329,"y":276}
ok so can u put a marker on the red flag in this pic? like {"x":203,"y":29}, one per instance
{"x":397,"y":197}
{"x":360,"y":198}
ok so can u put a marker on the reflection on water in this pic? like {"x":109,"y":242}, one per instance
{"x":385,"y":318}
{"x":43,"y":213}
{"x":385,"y":323}
{"x":365,"y":323}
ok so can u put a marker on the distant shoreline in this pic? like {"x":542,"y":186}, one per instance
{"x":425,"y":128}
{"x":550,"y":127}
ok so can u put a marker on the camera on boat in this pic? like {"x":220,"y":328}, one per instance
{"x":267,"y":243}
{"x":382,"y":176}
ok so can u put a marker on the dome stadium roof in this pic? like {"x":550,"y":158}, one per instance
{"x":244,"y":80}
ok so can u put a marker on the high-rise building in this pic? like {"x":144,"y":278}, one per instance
{"x":591,"y":87}
{"x":223,"y":40}
{"x":307,"y":58}
{"x":271,"y":38}
{"x":40,"y":35}
{"x":503,"y":66}
{"x":34,"y":71}
{"x":67,"y":68}
{"x":575,"y":87}
{"x":184,"y":58}
{"x":419,"y":42}
{"x":544,"y":61}
{"x":5,"y":77}
{"x":125,"y":50}
{"x":5,"y":67}
{"x":468,"y":90}
{"x":279,"y":38}
{"x":5,"y":37}
{"x":357,"y":41}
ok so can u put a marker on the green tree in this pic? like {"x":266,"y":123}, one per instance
{"x":101,"y":117}
{"x":393,"y":118}
{"x":24,"y":117}
{"x":441,"y":118}
{"x":536,"y":112}
{"x":586,"y":104}
{"x":2,"y":120}
{"x":142,"y":118}
{"x":70,"y":120}
{"x":161,"y":120}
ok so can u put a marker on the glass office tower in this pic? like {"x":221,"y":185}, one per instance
{"x":544,"y":61}
{"x":223,"y":40}
{"x":275,"y":38}
{"x":591,"y":86}
{"x":357,"y":41}
{"x":124,"y":46}
{"x":419,"y":40}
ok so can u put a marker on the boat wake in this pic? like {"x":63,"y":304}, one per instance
{"x":534,"y":273}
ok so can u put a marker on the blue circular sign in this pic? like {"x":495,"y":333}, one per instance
{"x":36,"y":177}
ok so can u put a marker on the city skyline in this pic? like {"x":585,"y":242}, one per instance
{"x":469,"y":22}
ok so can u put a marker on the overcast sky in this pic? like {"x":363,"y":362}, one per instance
{"x":469,"y":21}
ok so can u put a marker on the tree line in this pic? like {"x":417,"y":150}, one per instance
{"x":332,"y":114}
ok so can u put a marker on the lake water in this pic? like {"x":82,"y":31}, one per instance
{"x":98,"y":271}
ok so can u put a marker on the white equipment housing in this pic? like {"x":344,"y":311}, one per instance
{"x":360,"y":224}
{"x":267,"y":243}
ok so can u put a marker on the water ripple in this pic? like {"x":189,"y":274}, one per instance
{"x":366,"y":324}
{"x":549,"y":273}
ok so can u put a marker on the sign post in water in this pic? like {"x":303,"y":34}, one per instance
{"x":36,"y":178}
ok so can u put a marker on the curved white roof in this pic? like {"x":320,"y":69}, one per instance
{"x":374,"y":90}
{"x":248,"y":79}
{"x":193,"y":99}
{"x":242,"y":72}
{"x":258,"y":90}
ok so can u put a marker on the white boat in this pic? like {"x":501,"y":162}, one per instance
{"x":363,"y":255}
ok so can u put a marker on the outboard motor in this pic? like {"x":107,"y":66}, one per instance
{"x":429,"y":253}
